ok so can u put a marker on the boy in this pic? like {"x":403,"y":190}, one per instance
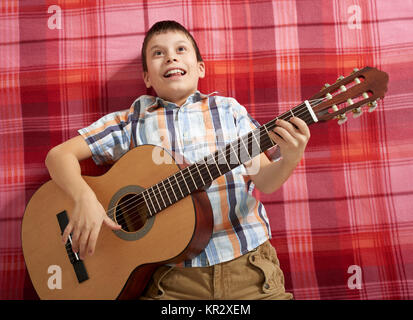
{"x":239,"y":261}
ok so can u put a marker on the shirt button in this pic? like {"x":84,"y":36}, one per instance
{"x":266,"y":286}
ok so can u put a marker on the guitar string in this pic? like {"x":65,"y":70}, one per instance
{"x":136,"y":202}
{"x":132,"y":204}
{"x":141,"y":217}
{"x":155,"y":192}
{"x":131,"y":201}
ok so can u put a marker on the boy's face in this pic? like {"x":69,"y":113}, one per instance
{"x":173,"y":69}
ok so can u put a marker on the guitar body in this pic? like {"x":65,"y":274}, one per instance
{"x":123,"y":260}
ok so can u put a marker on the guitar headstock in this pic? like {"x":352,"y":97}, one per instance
{"x":350,"y":94}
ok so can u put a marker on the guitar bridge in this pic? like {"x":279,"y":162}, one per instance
{"x":78,"y":265}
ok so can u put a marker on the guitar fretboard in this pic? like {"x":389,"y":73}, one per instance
{"x":202,"y":173}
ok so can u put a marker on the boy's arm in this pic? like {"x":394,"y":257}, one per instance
{"x":292,"y":139}
{"x":62,"y":162}
{"x":88,"y":214}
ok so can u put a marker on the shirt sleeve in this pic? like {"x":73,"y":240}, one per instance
{"x":109,"y":137}
{"x":246,"y":123}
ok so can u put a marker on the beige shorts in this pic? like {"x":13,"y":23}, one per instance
{"x":253,"y":276}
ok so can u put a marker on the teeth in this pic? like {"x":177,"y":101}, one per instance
{"x":173,"y":71}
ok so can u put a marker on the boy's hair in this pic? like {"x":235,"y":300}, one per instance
{"x":163,"y":27}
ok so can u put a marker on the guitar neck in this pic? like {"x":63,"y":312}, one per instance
{"x":202,"y":173}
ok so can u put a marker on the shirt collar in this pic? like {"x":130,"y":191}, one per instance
{"x":193,"y":98}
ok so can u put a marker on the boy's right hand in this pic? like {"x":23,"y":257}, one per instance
{"x":85,"y":223}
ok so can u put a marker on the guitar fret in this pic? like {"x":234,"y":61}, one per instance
{"x":220,"y":159}
{"x":173,"y":191}
{"x":216,"y":163}
{"x":256,"y":141}
{"x":245,"y":147}
{"x":226,"y":161}
{"x":206,"y":165}
{"x":179,"y":186}
{"x":157,"y":185}
{"x":196,"y":165}
{"x":190,"y":173}
{"x":189,"y":179}
{"x":267,"y":142}
{"x":183,"y":177}
{"x":272,"y":142}
{"x":156,"y":198}
{"x":230,"y":145}
{"x":229,"y":158}
{"x":151,"y":212}
{"x":167,"y":193}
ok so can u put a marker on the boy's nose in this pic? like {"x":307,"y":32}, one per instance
{"x":171,"y":57}
{"x":169,"y":60}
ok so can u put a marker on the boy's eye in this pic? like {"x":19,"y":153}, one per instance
{"x":157,"y":53}
{"x":180,"y":49}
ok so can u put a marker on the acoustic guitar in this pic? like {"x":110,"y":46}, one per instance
{"x":163,"y":208}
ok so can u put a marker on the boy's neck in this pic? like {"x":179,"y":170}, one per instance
{"x":179,"y":102}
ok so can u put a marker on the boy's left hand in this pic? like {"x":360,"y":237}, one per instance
{"x":291,"y":140}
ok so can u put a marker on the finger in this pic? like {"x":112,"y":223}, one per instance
{"x":83,"y":242}
{"x":298,"y":129}
{"x":301,"y":126}
{"x":92,"y":240}
{"x":111,"y":224}
{"x":290,"y":127}
{"x":67,"y":232}
{"x":75,"y":239}
{"x":276,"y":138}
{"x":285,"y":135}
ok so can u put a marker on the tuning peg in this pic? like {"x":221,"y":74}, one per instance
{"x":341,"y":119}
{"x":340,"y":78}
{"x":357,"y":80}
{"x":343,"y":88}
{"x":326,"y":85}
{"x":329,"y":96}
{"x":372,"y":106}
{"x":355,"y":70}
{"x":357,"y":112}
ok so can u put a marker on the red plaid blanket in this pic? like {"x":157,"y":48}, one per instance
{"x":342,"y":224}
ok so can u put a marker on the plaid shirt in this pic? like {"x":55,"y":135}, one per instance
{"x":194,"y":130}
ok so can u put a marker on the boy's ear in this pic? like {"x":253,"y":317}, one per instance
{"x":145,"y":77}
{"x":201,"y":66}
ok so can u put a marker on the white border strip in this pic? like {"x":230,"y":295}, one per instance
{"x":311,"y":111}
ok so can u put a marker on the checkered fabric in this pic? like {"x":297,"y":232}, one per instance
{"x":342,"y":224}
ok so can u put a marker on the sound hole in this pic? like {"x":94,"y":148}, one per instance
{"x":131,"y":212}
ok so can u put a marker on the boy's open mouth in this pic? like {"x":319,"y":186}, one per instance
{"x":174,"y":73}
